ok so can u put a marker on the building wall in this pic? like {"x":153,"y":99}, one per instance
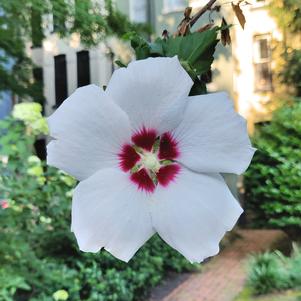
{"x":100,"y":65}
{"x":253,"y":101}
{"x":233,"y":68}
{"x":100,"y":59}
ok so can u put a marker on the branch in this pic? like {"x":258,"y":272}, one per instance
{"x":201,"y":12}
{"x":185,"y":25}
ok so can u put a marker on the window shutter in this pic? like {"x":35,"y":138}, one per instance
{"x":83,"y":68}
{"x":60,"y":71}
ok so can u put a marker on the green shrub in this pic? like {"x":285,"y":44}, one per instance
{"x":273,"y":271}
{"x":39,"y":258}
{"x":266,"y":274}
{"x":290,"y":75}
{"x":273,"y":181}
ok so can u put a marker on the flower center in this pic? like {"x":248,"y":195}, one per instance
{"x":150,"y":161}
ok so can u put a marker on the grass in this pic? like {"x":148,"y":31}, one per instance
{"x":289,"y":295}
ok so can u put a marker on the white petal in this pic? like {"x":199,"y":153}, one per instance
{"x":193,"y":213}
{"x":152,"y":92}
{"x":213,"y":137}
{"x":90,"y":129}
{"x":108,"y":211}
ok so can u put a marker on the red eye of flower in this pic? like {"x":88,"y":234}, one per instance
{"x":149,"y":165}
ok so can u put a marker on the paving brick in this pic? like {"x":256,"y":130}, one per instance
{"x":223,"y":277}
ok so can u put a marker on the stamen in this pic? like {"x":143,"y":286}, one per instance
{"x":150,"y":159}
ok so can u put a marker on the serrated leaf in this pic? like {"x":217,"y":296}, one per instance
{"x":203,"y":42}
{"x":191,"y":47}
{"x":239,"y":14}
{"x":140,"y":45}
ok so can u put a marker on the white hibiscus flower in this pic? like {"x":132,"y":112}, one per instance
{"x":149,"y":159}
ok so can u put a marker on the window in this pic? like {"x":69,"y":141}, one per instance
{"x":262,"y":63}
{"x":60,"y":78}
{"x":83,"y":68}
{"x":174,"y":5}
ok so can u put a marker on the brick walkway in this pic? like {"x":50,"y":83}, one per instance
{"x":224,"y":276}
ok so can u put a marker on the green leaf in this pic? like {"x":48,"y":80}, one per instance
{"x":157,"y":48}
{"x":198,"y":88}
{"x":192,"y":46}
{"x":120,"y":63}
{"x":139,"y":44}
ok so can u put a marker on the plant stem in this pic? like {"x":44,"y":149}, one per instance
{"x":201,"y":12}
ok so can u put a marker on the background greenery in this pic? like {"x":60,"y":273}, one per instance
{"x":270,"y":272}
{"x":272,"y":182}
{"x":287,"y":53}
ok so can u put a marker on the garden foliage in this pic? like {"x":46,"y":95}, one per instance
{"x":272,"y":182}
{"x":290,"y":74}
{"x":269,"y":272}
{"x":39,"y":257}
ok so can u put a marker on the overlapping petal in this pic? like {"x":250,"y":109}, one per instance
{"x":108,"y":211}
{"x":152,"y":92}
{"x":89,"y":130}
{"x":100,"y":137}
{"x":212,"y":137}
{"x":193,"y":213}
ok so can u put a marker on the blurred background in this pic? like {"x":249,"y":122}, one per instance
{"x":47,"y":50}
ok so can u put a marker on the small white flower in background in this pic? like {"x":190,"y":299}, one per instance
{"x":149,"y":159}
{"x":121,"y":49}
{"x":34,"y":160}
{"x":27,"y":111}
{"x":60,"y":295}
{"x":31,"y":114}
{"x":4,"y":159}
{"x":35,"y":169}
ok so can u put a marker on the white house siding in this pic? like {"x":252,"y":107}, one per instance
{"x":100,"y":65}
{"x":251,"y":103}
